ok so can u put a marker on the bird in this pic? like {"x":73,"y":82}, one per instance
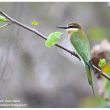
{"x":80,"y":43}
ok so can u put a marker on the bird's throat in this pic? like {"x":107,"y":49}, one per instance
{"x":71,"y":31}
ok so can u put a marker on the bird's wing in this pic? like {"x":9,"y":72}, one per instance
{"x":81,"y":44}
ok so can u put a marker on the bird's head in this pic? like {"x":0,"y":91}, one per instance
{"x":72,"y":27}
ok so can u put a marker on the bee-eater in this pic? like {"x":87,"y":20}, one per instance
{"x":81,"y":44}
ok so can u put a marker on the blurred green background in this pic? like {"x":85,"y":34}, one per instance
{"x":42,"y":77}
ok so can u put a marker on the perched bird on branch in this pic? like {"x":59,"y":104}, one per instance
{"x":81,"y":44}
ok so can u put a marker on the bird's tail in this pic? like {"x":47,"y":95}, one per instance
{"x":89,"y":76}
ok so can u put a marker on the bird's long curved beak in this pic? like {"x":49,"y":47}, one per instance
{"x":62,"y":27}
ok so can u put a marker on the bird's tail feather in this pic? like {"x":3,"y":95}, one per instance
{"x":89,"y":75}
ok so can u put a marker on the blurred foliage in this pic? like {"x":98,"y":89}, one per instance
{"x":98,"y":33}
{"x":93,"y":102}
{"x":106,"y":69}
{"x":107,"y":88}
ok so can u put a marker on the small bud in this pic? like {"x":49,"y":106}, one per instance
{"x":102,"y":63}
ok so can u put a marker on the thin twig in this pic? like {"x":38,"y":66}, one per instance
{"x":36,"y":32}
{"x":101,"y":72}
{"x":44,"y":37}
{"x":94,"y":68}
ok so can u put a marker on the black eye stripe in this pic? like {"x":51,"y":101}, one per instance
{"x":70,"y":27}
{"x":74,"y":26}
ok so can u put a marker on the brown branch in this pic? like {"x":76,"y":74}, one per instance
{"x":101,"y":72}
{"x":36,"y":32}
{"x":44,"y":37}
{"x":94,"y":68}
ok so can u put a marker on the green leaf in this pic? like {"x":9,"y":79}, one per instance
{"x":53,"y":39}
{"x":3,"y":19}
{"x":34,"y":23}
{"x":102,"y":63}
